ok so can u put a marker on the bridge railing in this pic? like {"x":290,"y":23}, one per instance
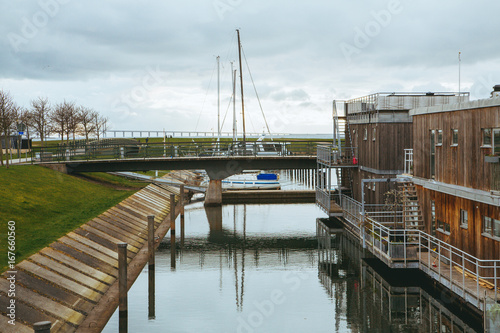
{"x":108,"y":149}
{"x":464,"y":274}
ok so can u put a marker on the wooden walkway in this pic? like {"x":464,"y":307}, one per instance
{"x":73,"y":281}
{"x":462,"y":285}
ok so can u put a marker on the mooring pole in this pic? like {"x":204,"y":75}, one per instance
{"x":151,"y":267}
{"x":172,"y":230}
{"x":42,"y":327}
{"x":122,"y":288}
{"x":182,"y":214}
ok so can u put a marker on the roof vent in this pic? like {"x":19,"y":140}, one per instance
{"x":496,"y":91}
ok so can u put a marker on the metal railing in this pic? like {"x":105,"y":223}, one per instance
{"x":323,"y":199}
{"x":177,"y":134}
{"x":110,"y":150}
{"x":408,"y":161}
{"x":459,"y":271}
{"x":330,"y":155}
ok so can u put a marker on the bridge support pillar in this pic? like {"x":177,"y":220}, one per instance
{"x":213,"y":196}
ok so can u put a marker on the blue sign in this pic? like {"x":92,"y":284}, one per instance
{"x":21,"y":133}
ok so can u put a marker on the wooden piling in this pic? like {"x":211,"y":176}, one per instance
{"x":172,"y":230}
{"x":181,"y":200}
{"x":151,"y":267}
{"x":122,"y":288}
{"x":42,"y":327}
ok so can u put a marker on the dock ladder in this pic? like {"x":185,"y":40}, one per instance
{"x":412,"y":212}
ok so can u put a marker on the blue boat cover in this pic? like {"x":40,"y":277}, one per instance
{"x":267,"y":176}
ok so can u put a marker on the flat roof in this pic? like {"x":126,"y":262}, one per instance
{"x":477,"y":104}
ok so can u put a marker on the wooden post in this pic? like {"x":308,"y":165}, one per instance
{"x":42,"y":327}
{"x":182,"y":214}
{"x":151,"y":267}
{"x":172,"y":230}
{"x":122,"y":288}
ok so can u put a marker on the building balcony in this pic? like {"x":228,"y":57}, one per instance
{"x":335,"y":156}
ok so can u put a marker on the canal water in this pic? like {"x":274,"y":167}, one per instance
{"x":274,"y":268}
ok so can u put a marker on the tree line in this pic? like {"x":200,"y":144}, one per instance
{"x":42,"y":118}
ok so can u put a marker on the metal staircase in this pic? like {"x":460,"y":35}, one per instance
{"x":412,"y":212}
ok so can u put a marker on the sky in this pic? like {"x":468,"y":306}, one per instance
{"x":151,"y":65}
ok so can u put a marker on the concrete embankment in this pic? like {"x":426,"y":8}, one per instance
{"x":73,"y":282}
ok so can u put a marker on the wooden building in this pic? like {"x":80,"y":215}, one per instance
{"x":457,"y":180}
{"x":380,"y":126}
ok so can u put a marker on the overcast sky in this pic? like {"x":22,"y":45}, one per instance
{"x":151,"y":64}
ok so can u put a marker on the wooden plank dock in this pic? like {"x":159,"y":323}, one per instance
{"x":73,"y":281}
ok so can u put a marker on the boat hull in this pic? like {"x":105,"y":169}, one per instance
{"x":250,"y":185}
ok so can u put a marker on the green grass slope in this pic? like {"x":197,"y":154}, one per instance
{"x":45,"y":205}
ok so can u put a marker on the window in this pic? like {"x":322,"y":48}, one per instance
{"x":433,"y":154}
{"x":487,"y":225}
{"x":443,"y":227}
{"x":486,"y":137}
{"x":496,"y":141}
{"x":491,"y":227}
{"x":454,"y":137}
{"x":464,"y":221}
{"x":365,"y":135}
{"x":439,"y":140}
{"x":374,"y":133}
{"x":433,"y":218}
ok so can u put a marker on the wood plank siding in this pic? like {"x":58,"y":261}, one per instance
{"x":385,"y":155}
{"x":461,"y":164}
{"x":458,"y":165}
{"x":447,"y":208}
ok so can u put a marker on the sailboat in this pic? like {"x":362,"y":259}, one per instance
{"x":254,"y":180}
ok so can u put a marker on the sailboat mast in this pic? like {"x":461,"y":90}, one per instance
{"x":233,"y":74}
{"x":241,"y":83}
{"x":218,"y":97}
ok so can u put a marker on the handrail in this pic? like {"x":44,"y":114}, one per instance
{"x":332,"y":155}
{"x":123,"y":150}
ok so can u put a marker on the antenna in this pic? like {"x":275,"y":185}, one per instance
{"x":459,"y":61}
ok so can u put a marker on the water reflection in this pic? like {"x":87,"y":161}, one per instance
{"x":274,"y":268}
{"x":370,"y":302}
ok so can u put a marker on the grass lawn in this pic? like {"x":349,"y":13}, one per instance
{"x":45,"y":205}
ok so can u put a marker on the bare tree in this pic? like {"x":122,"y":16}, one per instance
{"x":87,"y":121}
{"x":22,"y":123}
{"x":59,"y":118}
{"x":40,"y":117}
{"x":8,"y":115}
{"x":72,"y":120}
{"x":101,"y":125}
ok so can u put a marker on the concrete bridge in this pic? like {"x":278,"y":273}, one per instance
{"x":220,"y":159}
{"x":217,"y":167}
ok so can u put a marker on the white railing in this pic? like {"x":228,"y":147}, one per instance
{"x":459,"y":271}
{"x":408,"y":161}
